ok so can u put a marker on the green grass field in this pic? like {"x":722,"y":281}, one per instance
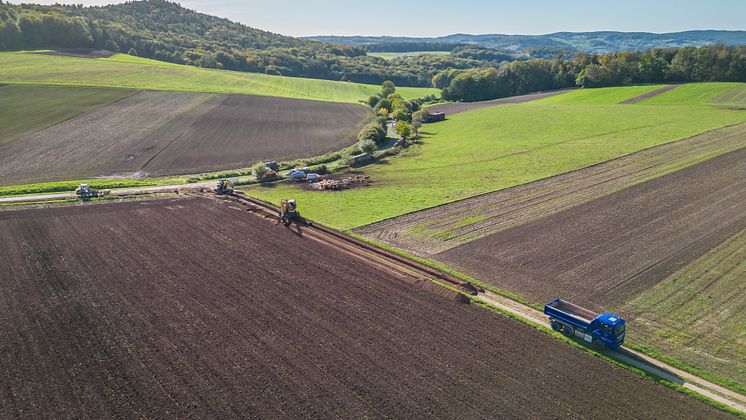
{"x":698,"y":315}
{"x":25,"y":109}
{"x":126,"y":71}
{"x":701,"y":94}
{"x":494,"y":148}
{"x":393,"y":55}
{"x":600,"y":96}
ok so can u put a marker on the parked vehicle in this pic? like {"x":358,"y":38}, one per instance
{"x":312,"y":177}
{"x":602,"y":331}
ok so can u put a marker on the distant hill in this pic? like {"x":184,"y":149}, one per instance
{"x":591,"y":42}
{"x":166,"y":31}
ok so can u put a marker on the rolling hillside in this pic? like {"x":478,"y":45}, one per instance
{"x":122,"y":70}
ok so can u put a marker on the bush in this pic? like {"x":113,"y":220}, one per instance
{"x":372,"y":132}
{"x":368,"y":146}
{"x":373,"y":101}
{"x":132,"y":52}
{"x":404,"y":129}
{"x":318,"y":169}
{"x":260,"y":171}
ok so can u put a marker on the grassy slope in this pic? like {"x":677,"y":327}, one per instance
{"x":138,"y":73}
{"x":697,"y":94}
{"x":601,"y":96}
{"x":494,"y":148}
{"x":698,"y":315}
{"x":25,"y":109}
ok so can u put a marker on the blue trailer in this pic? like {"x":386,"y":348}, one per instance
{"x":601,"y":331}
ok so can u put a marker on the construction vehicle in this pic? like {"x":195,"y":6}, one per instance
{"x":289,"y":213}
{"x":225,"y":186}
{"x":86,"y":192}
{"x":601,"y":331}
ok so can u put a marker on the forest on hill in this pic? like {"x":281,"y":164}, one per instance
{"x":165,"y":31}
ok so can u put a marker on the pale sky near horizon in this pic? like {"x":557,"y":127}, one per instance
{"x":445,"y":17}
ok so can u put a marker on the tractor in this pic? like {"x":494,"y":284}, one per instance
{"x":289,"y":213}
{"x":85,"y":192}
{"x":224,"y":187}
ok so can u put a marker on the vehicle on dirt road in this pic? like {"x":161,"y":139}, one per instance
{"x":601,"y":331}
{"x":289,"y":213}
{"x":225,"y":187}
{"x":86,"y":192}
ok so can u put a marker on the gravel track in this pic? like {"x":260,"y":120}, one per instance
{"x":195,"y":308}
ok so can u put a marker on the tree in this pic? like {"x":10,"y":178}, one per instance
{"x":388,"y":88}
{"x":260,"y":171}
{"x":372,"y":132}
{"x":373,"y":101}
{"x":132,"y":52}
{"x":417,"y":118}
{"x":404,"y":129}
{"x":111,"y":45}
{"x":368,"y":146}
{"x":384,"y":112}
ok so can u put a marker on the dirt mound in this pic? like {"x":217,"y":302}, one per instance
{"x":80,"y":53}
{"x":441,"y":291}
{"x":649,"y":95}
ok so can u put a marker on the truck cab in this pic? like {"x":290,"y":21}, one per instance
{"x":610,"y":329}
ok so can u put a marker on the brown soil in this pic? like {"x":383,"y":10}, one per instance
{"x":197,"y":308}
{"x":608,"y":250}
{"x":457,"y":107}
{"x":436,"y":230}
{"x":159,"y":133}
{"x":80,"y":53}
{"x":649,"y":95}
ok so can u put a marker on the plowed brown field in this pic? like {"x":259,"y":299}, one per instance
{"x":197,"y":308}
{"x":608,"y":250}
{"x":457,"y":107}
{"x":160,"y":133}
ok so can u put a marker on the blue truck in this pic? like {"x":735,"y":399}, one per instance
{"x":601,"y":331}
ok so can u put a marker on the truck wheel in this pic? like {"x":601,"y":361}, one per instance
{"x":556,"y":326}
{"x":598,"y":345}
{"x":567,"y":331}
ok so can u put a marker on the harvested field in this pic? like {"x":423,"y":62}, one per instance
{"x":157,"y":133}
{"x":648,"y":95}
{"x":456,"y":107}
{"x":26,"y":109}
{"x":429,"y":232}
{"x":244,"y":129}
{"x":604,"y":252}
{"x":700,"y":311}
{"x":139,"y":315}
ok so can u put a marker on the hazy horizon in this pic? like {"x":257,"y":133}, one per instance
{"x":435,"y":18}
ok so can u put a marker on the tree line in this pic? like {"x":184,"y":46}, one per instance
{"x":716,"y":63}
{"x":165,"y":31}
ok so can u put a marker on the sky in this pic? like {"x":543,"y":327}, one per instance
{"x":445,"y":17}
